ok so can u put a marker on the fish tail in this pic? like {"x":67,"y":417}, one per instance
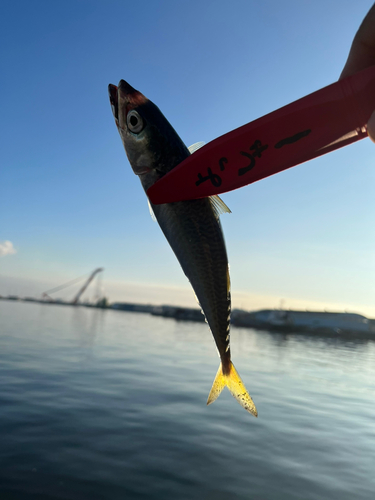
{"x":236,"y":387}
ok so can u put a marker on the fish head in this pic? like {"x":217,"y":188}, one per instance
{"x":151,"y":144}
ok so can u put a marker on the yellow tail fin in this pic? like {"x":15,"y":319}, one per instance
{"x":236,"y":387}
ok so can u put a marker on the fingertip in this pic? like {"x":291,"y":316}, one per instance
{"x":371,"y":127}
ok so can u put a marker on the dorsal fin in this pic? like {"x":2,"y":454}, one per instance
{"x":218,"y":206}
{"x":194,"y":147}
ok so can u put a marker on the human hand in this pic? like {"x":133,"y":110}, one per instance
{"x":362,"y":55}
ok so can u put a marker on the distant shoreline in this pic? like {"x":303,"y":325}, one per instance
{"x":274,"y":320}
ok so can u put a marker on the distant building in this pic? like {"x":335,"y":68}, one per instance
{"x":303,"y":320}
{"x":126,"y":306}
{"x":174,"y":312}
{"x":179,"y":313}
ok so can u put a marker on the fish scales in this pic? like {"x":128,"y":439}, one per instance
{"x":195,"y":235}
{"x":192,"y":228}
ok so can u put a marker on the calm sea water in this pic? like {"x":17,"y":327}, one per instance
{"x":112,"y":405}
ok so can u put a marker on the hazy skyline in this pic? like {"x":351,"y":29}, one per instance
{"x":69,"y":201}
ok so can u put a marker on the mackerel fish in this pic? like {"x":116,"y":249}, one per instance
{"x":192,"y":227}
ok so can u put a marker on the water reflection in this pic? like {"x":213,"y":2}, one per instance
{"x":85,"y":324}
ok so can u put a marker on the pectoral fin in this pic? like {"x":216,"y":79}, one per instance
{"x":151,"y":211}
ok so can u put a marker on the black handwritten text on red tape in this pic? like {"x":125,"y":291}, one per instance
{"x":256,"y":151}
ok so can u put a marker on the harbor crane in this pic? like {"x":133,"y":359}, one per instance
{"x":86,"y":284}
{"x":76,"y":298}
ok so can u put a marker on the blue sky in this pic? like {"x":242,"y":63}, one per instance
{"x":69,"y":201}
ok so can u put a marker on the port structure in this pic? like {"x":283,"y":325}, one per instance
{"x":46,"y":295}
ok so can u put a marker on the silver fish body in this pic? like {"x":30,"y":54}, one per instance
{"x":194,"y":233}
{"x":192,"y":228}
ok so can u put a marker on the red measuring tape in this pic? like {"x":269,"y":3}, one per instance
{"x":323,"y":121}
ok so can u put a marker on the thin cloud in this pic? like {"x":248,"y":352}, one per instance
{"x":7,"y":248}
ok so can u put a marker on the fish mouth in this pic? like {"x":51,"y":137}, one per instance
{"x":130,"y":95}
{"x":126,"y":88}
{"x":113,"y":99}
{"x":124,"y":96}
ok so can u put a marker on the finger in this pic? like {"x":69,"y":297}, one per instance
{"x":362,"y":52}
{"x":371,"y":127}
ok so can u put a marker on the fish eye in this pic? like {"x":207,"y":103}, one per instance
{"x":134,"y":122}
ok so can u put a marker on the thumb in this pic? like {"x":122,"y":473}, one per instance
{"x":371,"y":127}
